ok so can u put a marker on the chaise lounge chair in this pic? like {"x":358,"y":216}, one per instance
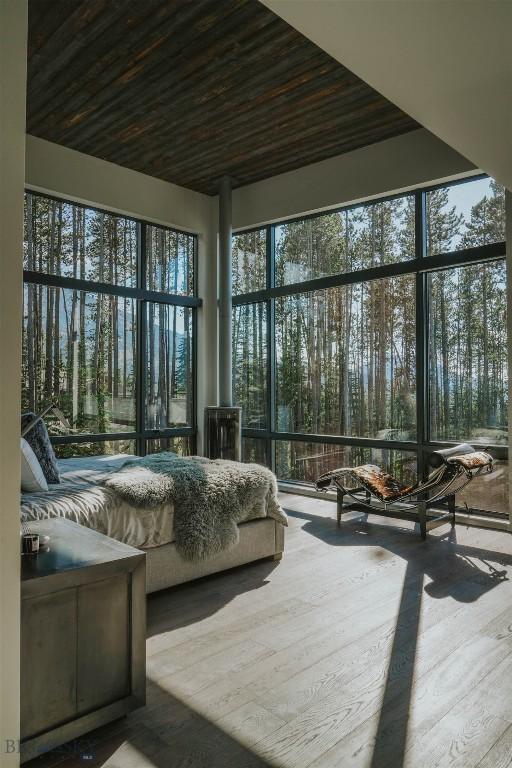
{"x":452,"y":469}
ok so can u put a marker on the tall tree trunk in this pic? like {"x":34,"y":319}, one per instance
{"x":50,"y":301}
{"x":98,"y":358}
{"x":485,"y":332}
{"x":82,"y":356}
{"x":151,"y":388}
{"x":56,"y":336}
{"x":30,"y":309}
{"x":444,"y":356}
{"x":174,"y":322}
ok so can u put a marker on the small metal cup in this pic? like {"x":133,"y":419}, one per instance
{"x":30,"y":543}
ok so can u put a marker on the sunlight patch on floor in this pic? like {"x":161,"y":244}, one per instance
{"x":128,"y":756}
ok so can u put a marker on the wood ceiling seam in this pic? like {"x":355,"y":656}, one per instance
{"x":187,"y":128}
{"x":183,"y":87}
{"x":66,"y":94}
{"x":185,"y":32}
{"x":361,"y":104}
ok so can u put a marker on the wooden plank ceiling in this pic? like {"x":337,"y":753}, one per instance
{"x":189,"y":90}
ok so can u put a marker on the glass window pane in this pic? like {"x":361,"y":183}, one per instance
{"x":255,"y":450}
{"x":169,"y":366}
{"x":79,"y":351}
{"x":170,"y":261}
{"x":465,"y":215}
{"x":101,"y":448}
{"x":183,"y":445}
{"x":69,"y":240}
{"x":354,"y":238}
{"x":249,"y":261}
{"x":250,"y":365}
{"x":488,"y":492}
{"x":304,"y":462}
{"x":346,"y":361}
{"x":468,"y":354}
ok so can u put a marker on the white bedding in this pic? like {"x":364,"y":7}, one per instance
{"x":80,"y":497}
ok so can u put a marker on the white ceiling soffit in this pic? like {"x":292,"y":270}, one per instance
{"x":447,"y":63}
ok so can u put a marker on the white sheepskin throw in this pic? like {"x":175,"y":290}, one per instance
{"x":210,"y":497}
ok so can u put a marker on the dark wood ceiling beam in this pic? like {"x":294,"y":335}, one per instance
{"x":189,"y":112}
{"x":103,"y":65}
{"x":329,"y":147}
{"x":256,"y":136}
{"x":87,"y":21}
{"x":178,"y":138}
{"x":46,"y":17}
{"x":231,"y":115}
{"x":186,"y":90}
{"x":186,"y":96}
{"x":104,"y":86}
{"x":274,"y":160}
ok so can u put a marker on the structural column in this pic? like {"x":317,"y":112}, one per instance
{"x":223,"y":422}
{"x":225,"y":294}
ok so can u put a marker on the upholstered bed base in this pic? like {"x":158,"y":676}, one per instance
{"x":258,"y":539}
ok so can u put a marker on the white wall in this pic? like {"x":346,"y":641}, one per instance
{"x":88,"y":179}
{"x":395,"y":164}
{"x":74,"y":175}
{"x":447,"y":64}
{"x":13,"y":52}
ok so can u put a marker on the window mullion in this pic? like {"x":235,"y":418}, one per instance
{"x":421,"y":330}
{"x":271,"y":328}
{"x":141,"y":368}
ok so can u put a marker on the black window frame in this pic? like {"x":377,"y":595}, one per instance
{"x":420,"y":266}
{"x":142,"y":296}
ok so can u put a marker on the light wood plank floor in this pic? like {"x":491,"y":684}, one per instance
{"x":362,"y":648}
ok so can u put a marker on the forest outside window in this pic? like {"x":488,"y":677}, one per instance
{"x":303,"y":462}
{"x":345,"y":361}
{"x":104,"y":448}
{"x":108,"y":328}
{"x":182,"y":446}
{"x":359,"y":237}
{"x":169,"y":367}
{"x":385,"y":337}
{"x":249,"y":254}
{"x":250,"y":364}
{"x":78,"y":351}
{"x":170,"y":261}
{"x":465,"y":215}
{"x":468,"y":378}
{"x":69,"y":240}
{"x":255,"y":450}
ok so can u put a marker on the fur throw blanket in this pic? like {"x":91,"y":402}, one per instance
{"x":210,"y":497}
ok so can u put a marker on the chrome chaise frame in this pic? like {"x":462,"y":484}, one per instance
{"x":443,"y":483}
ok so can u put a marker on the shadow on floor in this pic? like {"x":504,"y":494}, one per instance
{"x":193,"y":602}
{"x":167,"y":733}
{"x":459,"y":572}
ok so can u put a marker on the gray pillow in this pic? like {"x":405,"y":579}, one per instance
{"x":39,"y":441}
{"x":32,"y":476}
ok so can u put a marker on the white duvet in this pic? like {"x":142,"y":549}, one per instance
{"x":81,"y":497}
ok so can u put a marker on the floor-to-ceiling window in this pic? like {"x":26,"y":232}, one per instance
{"x":375,"y":332}
{"x":108,"y":328}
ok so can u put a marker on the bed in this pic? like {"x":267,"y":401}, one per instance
{"x":83,"y":496}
